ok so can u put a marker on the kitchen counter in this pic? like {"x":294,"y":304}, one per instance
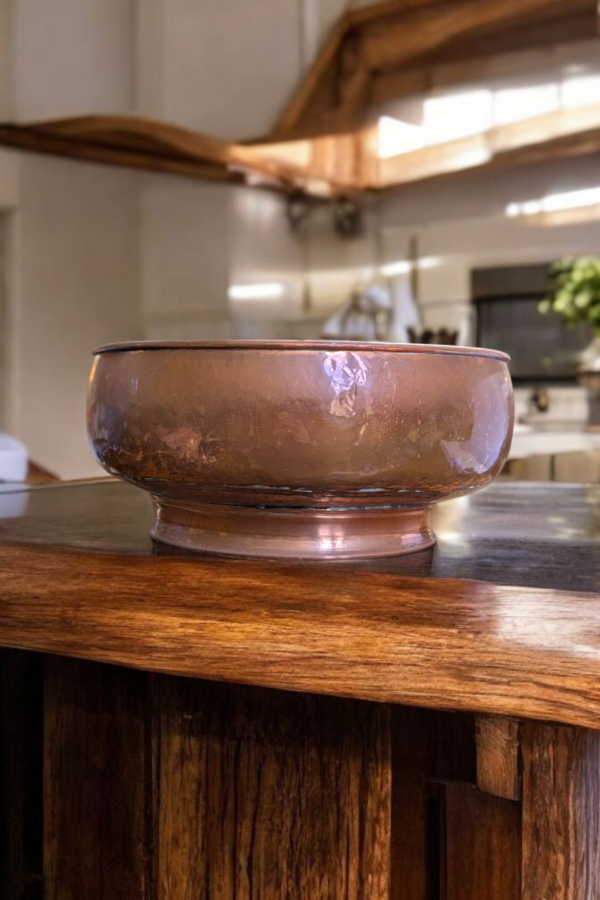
{"x":408,"y":694}
{"x":551,"y":439}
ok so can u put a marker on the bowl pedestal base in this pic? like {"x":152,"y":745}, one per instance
{"x":299,"y":533}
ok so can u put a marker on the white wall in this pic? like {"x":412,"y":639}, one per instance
{"x":70,"y":230}
{"x":4,"y":346}
{"x":227,"y":67}
{"x":72,"y":57}
{"x":73,"y":285}
{"x":234,"y":65}
{"x":9,"y":195}
{"x":200,"y":237}
{"x":185,"y":233}
{"x":335,"y":266}
{"x":484,"y":193}
{"x":9,"y":179}
{"x":5,"y":60}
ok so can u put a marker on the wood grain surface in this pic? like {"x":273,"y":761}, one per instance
{"x":377,"y":632}
{"x":158,"y":787}
{"x":172,"y":789}
{"x":263,"y":794}
{"x":428,"y":747}
{"x":97,"y":768}
{"x":561,"y":813}
{"x":470,"y":646}
{"x":162,"y":788}
{"x":483,"y":846}
{"x":498,"y":757}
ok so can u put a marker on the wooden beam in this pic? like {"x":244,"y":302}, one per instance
{"x":396,"y":36}
{"x":577,"y":216}
{"x":350,"y":161}
{"x":324,"y":167}
{"x":434,"y":161}
{"x":333,"y":161}
{"x":153,"y":140}
{"x":510,"y":53}
{"x":30,"y":139}
{"x":312,"y":82}
{"x":399,"y":41}
{"x":150,"y":135}
{"x":155,"y":146}
{"x":324,"y":66}
{"x":560,"y":125}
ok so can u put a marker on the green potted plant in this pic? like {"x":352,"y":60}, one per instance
{"x":575,"y":297}
{"x":575,"y":291}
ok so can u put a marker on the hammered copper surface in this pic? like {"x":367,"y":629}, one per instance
{"x":329,"y":435}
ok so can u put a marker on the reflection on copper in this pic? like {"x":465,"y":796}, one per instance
{"x":299,"y":450}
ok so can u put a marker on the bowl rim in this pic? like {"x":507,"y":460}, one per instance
{"x":326,"y":346}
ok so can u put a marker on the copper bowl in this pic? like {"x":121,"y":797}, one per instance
{"x":299,"y":449}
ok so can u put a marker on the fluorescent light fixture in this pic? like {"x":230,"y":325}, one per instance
{"x":517,"y":104}
{"x":404,"y":266}
{"x":571,"y":199}
{"x":555,"y":202}
{"x":271,"y":290}
{"x":429,"y":262}
{"x":395,"y":136}
{"x":454,"y":116}
{"x":531,"y":207}
{"x":400,"y":267}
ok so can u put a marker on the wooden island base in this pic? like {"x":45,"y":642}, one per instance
{"x":164,"y":788}
{"x":184,"y":727}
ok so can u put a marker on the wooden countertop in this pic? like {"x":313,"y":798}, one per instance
{"x":503,"y":616}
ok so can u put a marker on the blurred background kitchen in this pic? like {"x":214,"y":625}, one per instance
{"x":215,"y":169}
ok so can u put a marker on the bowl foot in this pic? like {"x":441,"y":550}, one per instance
{"x":292,"y":533}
